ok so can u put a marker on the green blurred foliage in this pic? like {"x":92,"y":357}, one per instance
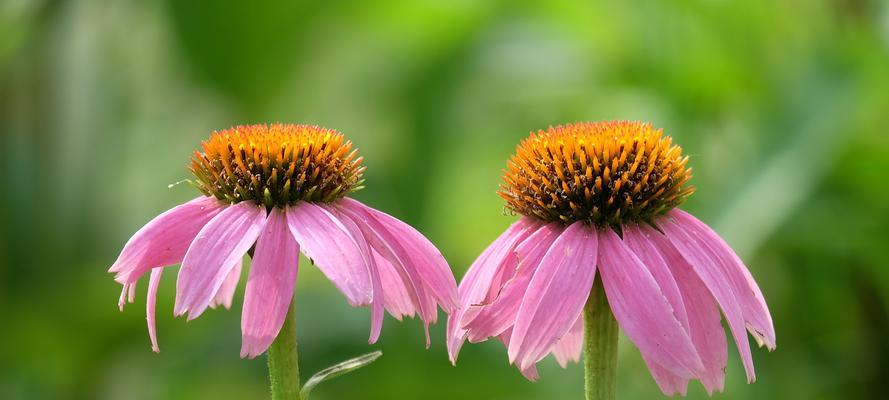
{"x":782,"y":106}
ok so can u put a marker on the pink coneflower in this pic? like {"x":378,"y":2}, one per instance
{"x":273,"y":191}
{"x":603,"y":197}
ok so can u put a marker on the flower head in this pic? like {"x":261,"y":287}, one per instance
{"x":602,"y":173}
{"x":277,"y":165}
{"x":280,"y":190}
{"x":599,"y":199}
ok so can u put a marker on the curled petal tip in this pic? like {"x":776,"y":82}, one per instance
{"x":253,"y":346}
{"x":428,"y":340}
{"x":179,"y":311}
{"x":531,"y":375}
{"x":762,"y":340}
{"x":247,"y":353}
{"x":511,"y":356}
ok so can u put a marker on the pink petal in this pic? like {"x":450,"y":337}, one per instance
{"x":213,"y":254}
{"x":325,"y":240}
{"x":476,"y":283}
{"x":704,"y":318}
{"x":151,"y":306}
{"x":641,"y":309}
{"x":555,"y":296}
{"x":226,"y":292}
{"x":496,"y":317}
{"x":164,"y":240}
{"x":651,"y":259}
{"x":706,"y":267}
{"x":423,"y":256}
{"x":496,"y":265}
{"x":397,"y":259}
{"x":570,"y":346}
{"x":692,"y":304}
{"x":399,"y":301}
{"x":753,"y":304}
{"x":378,"y":302}
{"x":269,"y":285}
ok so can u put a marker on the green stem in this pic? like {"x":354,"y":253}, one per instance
{"x":599,"y":346}
{"x":283,"y":360}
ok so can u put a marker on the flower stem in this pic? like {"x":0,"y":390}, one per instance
{"x":599,"y":346}
{"x":283,"y":360}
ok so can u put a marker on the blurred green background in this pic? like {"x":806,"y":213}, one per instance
{"x":782,"y":106}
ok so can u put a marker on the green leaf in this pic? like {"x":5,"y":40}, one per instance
{"x":340,"y":369}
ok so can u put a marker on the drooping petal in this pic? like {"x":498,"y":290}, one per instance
{"x":151,"y":306}
{"x":270,"y":285}
{"x":642,"y":310}
{"x":494,"y":318}
{"x":476,"y":283}
{"x":212,"y":255}
{"x":324,"y":239}
{"x":706,"y":267}
{"x":569,"y":347}
{"x":651,"y":259}
{"x":496,"y":264}
{"x":692,"y":304}
{"x":753,"y":304}
{"x":165,"y":239}
{"x":424,"y":257}
{"x":396,"y":257}
{"x":555,"y":296}
{"x":399,"y":301}
{"x":226,"y":292}
{"x":378,"y":303}
{"x":704,"y":318}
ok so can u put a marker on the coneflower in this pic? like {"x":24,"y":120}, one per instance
{"x":273,"y":191}
{"x":602,"y":197}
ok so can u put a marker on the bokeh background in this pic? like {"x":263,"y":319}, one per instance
{"x":783,"y":107}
